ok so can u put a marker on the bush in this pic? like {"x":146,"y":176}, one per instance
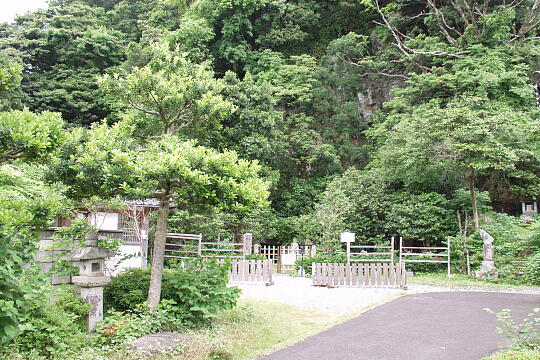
{"x":56,"y":329}
{"x":198,"y":289}
{"x":532,"y":270}
{"x":121,"y":328}
{"x":523,"y":335}
{"x":127,"y":290}
{"x":307,"y":262}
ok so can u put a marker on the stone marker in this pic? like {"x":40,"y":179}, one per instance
{"x":487,"y":269}
{"x":159,"y":342}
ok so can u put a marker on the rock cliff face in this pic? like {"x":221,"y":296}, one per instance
{"x":377,"y":92}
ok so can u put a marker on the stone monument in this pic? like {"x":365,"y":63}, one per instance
{"x":487,"y":269}
{"x":91,"y":279}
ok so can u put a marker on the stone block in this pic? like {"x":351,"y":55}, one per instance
{"x":45,"y":267}
{"x":60,"y":279}
{"x":90,"y":281}
{"x":159,"y":342}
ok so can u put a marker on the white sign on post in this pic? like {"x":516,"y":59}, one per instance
{"x":347,"y":237}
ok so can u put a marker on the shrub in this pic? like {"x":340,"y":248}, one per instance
{"x":532,"y":270}
{"x":121,"y":328}
{"x":56,"y":329}
{"x":127,"y":290}
{"x":307,"y":261}
{"x":524,"y":335}
{"x":197,"y":288}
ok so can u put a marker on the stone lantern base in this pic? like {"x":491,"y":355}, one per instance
{"x":91,"y":291}
{"x":487,"y":270}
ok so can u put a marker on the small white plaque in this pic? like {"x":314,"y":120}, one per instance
{"x":347,"y":237}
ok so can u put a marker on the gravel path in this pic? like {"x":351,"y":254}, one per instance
{"x":299,"y":292}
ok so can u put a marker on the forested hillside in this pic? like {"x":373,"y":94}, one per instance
{"x":294,"y":120}
{"x":377,"y":117}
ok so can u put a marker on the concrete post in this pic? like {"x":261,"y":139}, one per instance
{"x":248,"y":242}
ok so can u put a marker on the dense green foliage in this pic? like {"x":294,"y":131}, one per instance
{"x":435,"y":95}
{"x":27,"y":205}
{"x":196,"y":292}
{"x":50,"y":329}
{"x":381,"y":117}
{"x":122,"y":328}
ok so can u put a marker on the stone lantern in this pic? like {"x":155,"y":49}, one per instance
{"x":91,"y":279}
{"x":529,"y":210}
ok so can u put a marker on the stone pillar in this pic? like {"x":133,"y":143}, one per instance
{"x":257,"y":248}
{"x":487,"y":269}
{"x":92,"y":278}
{"x":248,"y":242}
{"x":313,"y":250}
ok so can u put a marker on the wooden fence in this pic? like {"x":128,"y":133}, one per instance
{"x":182,"y":246}
{"x":359,"y":275}
{"x":417,"y":254}
{"x":371,"y":253}
{"x":251,"y":271}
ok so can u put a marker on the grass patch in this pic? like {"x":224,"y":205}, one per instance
{"x":257,"y":328}
{"x":515,"y":355}
{"x":253,"y":329}
{"x":459,"y":280}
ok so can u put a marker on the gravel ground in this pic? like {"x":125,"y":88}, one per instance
{"x":299,"y":292}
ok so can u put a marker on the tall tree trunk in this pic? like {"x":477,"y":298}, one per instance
{"x":154,"y":292}
{"x":474,"y":201}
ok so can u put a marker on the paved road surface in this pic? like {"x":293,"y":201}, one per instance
{"x":431,"y":326}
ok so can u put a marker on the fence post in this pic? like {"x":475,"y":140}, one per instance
{"x":348,"y":253}
{"x":279,"y":259}
{"x":257,"y":248}
{"x":400,"y":246}
{"x":199,"y":246}
{"x":448,"y":244}
{"x":313,"y":250}
{"x":392,"y":250}
{"x":248,"y":240}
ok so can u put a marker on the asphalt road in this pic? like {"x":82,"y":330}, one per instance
{"x":431,"y":326}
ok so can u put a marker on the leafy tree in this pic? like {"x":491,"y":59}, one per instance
{"x":62,"y":50}
{"x":27,"y":205}
{"x":365,"y":203}
{"x":24,"y":134}
{"x":10,"y":77}
{"x":472,"y":118}
{"x":106,"y":161}
{"x":171,"y":94}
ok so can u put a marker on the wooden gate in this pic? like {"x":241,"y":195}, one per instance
{"x":360,"y":275}
{"x":425,"y":254}
{"x":251,"y":271}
